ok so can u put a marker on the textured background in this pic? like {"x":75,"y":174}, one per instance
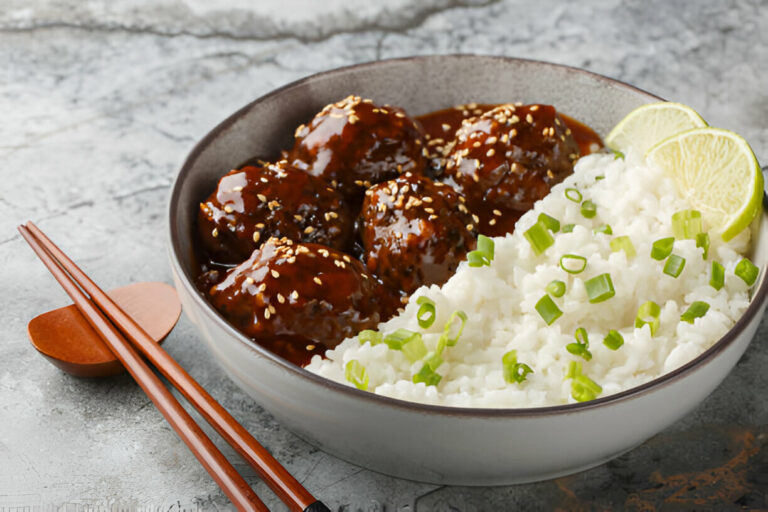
{"x":101,"y":101}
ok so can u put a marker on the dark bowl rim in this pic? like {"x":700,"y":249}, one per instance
{"x":755,"y":306}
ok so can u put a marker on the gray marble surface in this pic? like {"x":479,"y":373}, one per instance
{"x":99,"y":104}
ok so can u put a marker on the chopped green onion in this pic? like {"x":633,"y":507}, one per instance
{"x":662,"y":248}
{"x":604,"y":228}
{"x":400,"y":337}
{"x":539,"y":237}
{"x":548,"y":309}
{"x":581,"y":347}
{"x":717,"y":279}
{"x":599,"y":288}
{"x":451,"y":340}
{"x":556,"y":288}
{"x":648,"y":314}
{"x":369,"y":336}
{"x":747,"y":271}
{"x":573,"y":194}
{"x":696,"y":310}
{"x":568,"y":228}
{"x":623,"y":243}
{"x":552,"y":223}
{"x":613,"y":340}
{"x":483,"y":255}
{"x":588,"y":209}
{"x":583,"y":388}
{"x":674,"y":265}
{"x":514,"y":371}
{"x":617,"y":154}
{"x":573,"y":263}
{"x":426,"y":314}
{"x":427,"y":376}
{"x":702,"y":240}
{"x":686,"y":224}
{"x":574,"y":369}
{"x":356,"y":374}
{"x":414,"y":349}
{"x":598,"y":178}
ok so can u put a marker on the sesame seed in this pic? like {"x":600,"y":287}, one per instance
{"x":262,"y":198}
{"x":446,"y":127}
{"x":317,"y":280}
{"x":476,"y":177}
{"x":492,"y":222}
{"x":237,"y":189}
{"x":280,"y":298}
{"x":215,"y":232}
{"x":365,"y":276}
{"x":310,"y":347}
{"x":262,"y":287}
{"x":475,"y":218}
{"x":256,"y":236}
{"x":497,"y":213}
{"x":429,"y":210}
{"x":298,"y":217}
{"x":308,"y":230}
{"x":514,"y":119}
{"x":249,"y":280}
{"x":491,"y":140}
{"x":490,"y":152}
{"x":534,"y":108}
{"x":470,"y":227}
{"x":294,"y":295}
{"x":275,"y":273}
{"x":272,"y":309}
{"x":432,"y":217}
{"x":228,"y":209}
{"x":266,"y":314}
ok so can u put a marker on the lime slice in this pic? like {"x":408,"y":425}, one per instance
{"x":717,"y":172}
{"x":649,"y":124}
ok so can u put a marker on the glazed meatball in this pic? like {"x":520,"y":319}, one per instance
{"x":414,"y":232}
{"x":255,"y":203}
{"x":508,"y":158}
{"x":354,"y":143}
{"x":300,"y":299}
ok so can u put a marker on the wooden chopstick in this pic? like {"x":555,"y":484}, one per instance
{"x":236,"y":488}
{"x":285,"y":486}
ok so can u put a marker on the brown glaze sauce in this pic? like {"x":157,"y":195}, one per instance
{"x":388,"y":203}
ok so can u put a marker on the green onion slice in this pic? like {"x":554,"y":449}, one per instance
{"x":604,"y":228}
{"x":702,"y":240}
{"x":588,"y":209}
{"x":356,"y":374}
{"x":483,"y":255}
{"x":574,"y":369}
{"x":583,"y":388}
{"x":648,"y":314}
{"x":450,"y":327}
{"x":556,"y":288}
{"x":414,"y":349}
{"x":514,"y":371}
{"x":426,"y":313}
{"x":686,"y":224}
{"x":696,"y":310}
{"x":613,"y":340}
{"x":717,"y":279}
{"x":573,"y":194}
{"x":581,"y":347}
{"x":674,"y":265}
{"x":539,"y":237}
{"x":617,"y":154}
{"x":400,"y":337}
{"x":369,"y":336}
{"x":568,"y":228}
{"x":747,"y":271}
{"x":599,"y":288}
{"x":573,"y":263}
{"x":427,"y":373}
{"x":548,"y":309}
{"x":623,"y":243}
{"x":662,"y":248}
{"x":551,"y":223}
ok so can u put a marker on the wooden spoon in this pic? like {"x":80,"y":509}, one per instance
{"x":68,"y":341}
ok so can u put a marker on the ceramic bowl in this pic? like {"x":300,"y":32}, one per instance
{"x":442,"y":445}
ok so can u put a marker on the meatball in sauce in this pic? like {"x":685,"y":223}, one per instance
{"x":414,"y":232}
{"x":300,"y":299}
{"x":354,"y":143}
{"x":255,"y":203}
{"x":508,"y":158}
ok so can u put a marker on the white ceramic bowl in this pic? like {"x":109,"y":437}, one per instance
{"x":421,"y":442}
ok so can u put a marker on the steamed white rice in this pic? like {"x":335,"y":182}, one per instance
{"x":635,"y":199}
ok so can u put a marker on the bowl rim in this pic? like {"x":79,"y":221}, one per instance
{"x":756,"y":304}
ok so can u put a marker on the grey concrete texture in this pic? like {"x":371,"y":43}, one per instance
{"x":101,"y":101}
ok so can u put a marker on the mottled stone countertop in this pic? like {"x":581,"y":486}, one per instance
{"x":100,"y":102}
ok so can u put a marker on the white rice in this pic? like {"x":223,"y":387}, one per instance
{"x":635,"y":200}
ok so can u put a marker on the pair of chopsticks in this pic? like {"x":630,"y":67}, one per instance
{"x":106,"y":318}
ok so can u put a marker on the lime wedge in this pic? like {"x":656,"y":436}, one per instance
{"x":717,"y":172}
{"x":649,"y":124}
